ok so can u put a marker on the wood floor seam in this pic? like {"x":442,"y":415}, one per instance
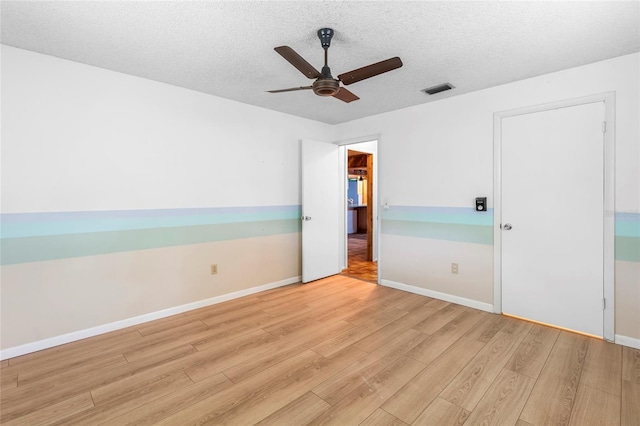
{"x":319,"y":397}
{"x":599,"y":390}
{"x":524,"y":405}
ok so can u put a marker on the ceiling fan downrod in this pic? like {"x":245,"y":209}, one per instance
{"x":326,"y":85}
{"x":325,"y":35}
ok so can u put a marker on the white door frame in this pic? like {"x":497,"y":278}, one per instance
{"x":376,"y":190}
{"x":609,"y":206}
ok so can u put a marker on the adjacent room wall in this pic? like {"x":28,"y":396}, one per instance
{"x":435,"y":158}
{"x":118,"y":193}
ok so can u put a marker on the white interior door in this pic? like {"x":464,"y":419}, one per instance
{"x":552,"y":217}
{"x":321,"y":210}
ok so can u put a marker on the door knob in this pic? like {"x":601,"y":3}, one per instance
{"x":507,"y":226}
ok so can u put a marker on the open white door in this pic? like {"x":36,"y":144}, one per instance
{"x":321,"y":210}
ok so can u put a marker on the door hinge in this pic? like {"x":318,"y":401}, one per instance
{"x":604,"y":127}
{"x":604,"y":303}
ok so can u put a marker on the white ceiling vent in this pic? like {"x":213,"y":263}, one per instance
{"x":439,"y":88}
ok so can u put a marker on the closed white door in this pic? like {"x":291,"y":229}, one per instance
{"x":553,"y":215}
{"x":321,"y":210}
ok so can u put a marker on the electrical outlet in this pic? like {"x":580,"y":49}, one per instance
{"x":454,"y":268}
{"x":214,"y":269}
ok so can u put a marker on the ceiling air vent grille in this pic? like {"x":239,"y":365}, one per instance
{"x":439,"y":88}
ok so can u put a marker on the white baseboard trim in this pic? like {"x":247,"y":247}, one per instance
{"x":437,"y":295}
{"x":117,"y":325}
{"x":632,"y":342}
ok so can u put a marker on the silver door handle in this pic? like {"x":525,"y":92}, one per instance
{"x":507,"y":226}
{"x":306,"y":218}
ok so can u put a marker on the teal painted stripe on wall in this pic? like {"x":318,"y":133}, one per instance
{"x":456,"y":215}
{"x":628,"y":229}
{"x":478,"y":234}
{"x":627,"y":224}
{"x":462,"y":224}
{"x":17,"y":225}
{"x":51,"y":247}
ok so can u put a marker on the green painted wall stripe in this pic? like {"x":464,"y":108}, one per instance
{"x":628,"y":248}
{"x":50,"y":247}
{"x":478,"y":234}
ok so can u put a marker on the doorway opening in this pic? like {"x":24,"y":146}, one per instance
{"x":361,"y":260}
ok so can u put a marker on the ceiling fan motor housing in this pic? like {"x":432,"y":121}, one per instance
{"x":325,"y":35}
{"x":326,"y":87}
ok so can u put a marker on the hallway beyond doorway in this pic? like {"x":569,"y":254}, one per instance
{"x":358,"y":265}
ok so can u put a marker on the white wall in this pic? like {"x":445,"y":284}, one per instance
{"x":445,"y":148}
{"x":80,"y":138}
{"x":441,"y":154}
{"x":76,"y":137}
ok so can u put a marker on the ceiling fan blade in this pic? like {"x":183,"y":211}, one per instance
{"x":345,"y":95}
{"x":298,"y":61}
{"x":293,"y":89}
{"x":370,"y":71}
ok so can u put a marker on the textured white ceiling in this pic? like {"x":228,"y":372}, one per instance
{"x":226,"y":48}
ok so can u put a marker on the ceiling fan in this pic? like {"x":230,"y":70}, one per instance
{"x":325,"y":84}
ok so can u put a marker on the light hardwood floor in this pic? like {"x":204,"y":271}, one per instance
{"x":336,"y":351}
{"x":358,"y":265}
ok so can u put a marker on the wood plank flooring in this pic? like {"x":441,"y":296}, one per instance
{"x":337,"y":351}
{"x":358,"y":266}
